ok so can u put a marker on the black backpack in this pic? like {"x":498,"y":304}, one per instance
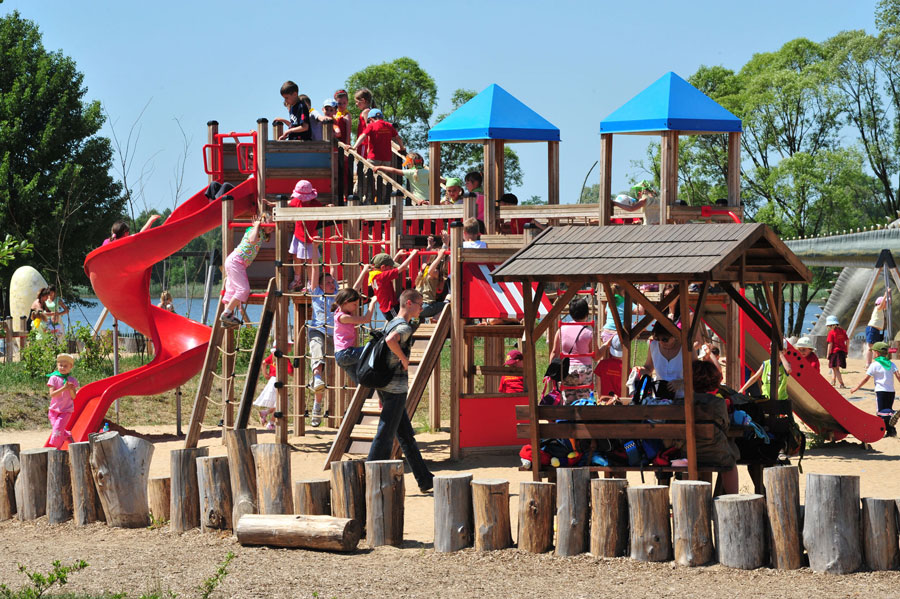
{"x":372,"y":369}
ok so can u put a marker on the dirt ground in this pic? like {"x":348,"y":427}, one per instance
{"x":140,"y":561}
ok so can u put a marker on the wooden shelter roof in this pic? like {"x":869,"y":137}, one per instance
{"x":748,"y":252}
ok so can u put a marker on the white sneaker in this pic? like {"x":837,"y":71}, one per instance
{"x":317,"y":384}
{"x":316,"y":418}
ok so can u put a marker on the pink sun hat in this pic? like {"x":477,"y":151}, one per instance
{"x":304,"y":191}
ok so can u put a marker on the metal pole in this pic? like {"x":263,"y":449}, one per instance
{"x":178,"y":411}
{"x":186,"y":292}
{"x":207,"y":289}
{"x":888,"y":331}
{"x":116,"y":358}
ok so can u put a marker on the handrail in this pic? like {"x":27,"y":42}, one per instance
{"x":369,"y":166}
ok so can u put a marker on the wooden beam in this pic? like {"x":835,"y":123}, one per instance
{"x":668,"y":174}
{"x":434,"y":173}
{"x":698,"y":311}
{"x":624,"y":333}
{"x":530,"y":365}
{"x":553,"y":173}
{"x":687,"y":359}
{"x":457,"y":338}
{"x":606,"y":146}
{"x":558,"y":306}
{"x":650,"y":307}
{"x":734,"y":169}
{"x":748,"y":308}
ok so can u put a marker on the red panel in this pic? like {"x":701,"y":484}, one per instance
{"x":287,"y":185}
{"x":489,"y":421}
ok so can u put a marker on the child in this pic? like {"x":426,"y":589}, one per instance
{"x":377,"y":137}
{"x":515,"y":226}
{"x":431,"y":279}
{"x":302,"y":247}
{"x":513,"y":383}
{"x":325,"y":118}
{"x":298,"y":123}
{"x":577,"y":342}
{"x":237,"y":286}
{"x":875,"y":328}
{"x":342,"y":115}
{"x":363,"y":99}
{"x":346,"y":352}
{"x":320,"y":338}
{"x":452,"y":191}
{"x":474,"y":181}
{"x":268,"y":398}
{"x":415,"y":172}
{"x":120,"y":229}
{"x":882,"y":370}
{"x":764,"y":374}
{"x":837,"y":349}
{"x":382,"y":275}
{"x":646,"y":199}
{"x":165,"y":301}
{"x":805,"y":348}
{"x":719,"y":450}
{"x":63,"y":387}
{"x":472,"y":234}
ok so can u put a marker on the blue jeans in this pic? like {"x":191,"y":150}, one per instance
{"x":394,"y":422}
{"x":348,"y":360}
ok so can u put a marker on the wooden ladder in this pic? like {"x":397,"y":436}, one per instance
{"x":359,"y":424}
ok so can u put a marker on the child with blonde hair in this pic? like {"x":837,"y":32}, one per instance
{"x":63,"y":388}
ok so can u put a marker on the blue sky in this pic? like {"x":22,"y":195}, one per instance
{"x":572,"y":62}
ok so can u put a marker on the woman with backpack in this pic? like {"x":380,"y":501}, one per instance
{"x":576,"y":341}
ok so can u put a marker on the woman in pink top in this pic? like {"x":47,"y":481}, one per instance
{"x":63,"y":387}
{"x":346,"y":352}
{"x":576,"y":341}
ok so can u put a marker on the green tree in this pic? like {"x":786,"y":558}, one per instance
{"x":55,"y":187}
{"x":405,"y":93}
{"x":534,"y":200}
{"x":11,"y":247}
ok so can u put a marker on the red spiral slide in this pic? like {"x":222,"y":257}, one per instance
{"x":120,"y":275}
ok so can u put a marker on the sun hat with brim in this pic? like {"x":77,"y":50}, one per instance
{"x":453,"y":182}
{"x":880,"y":346}
{"x":329,"y":102}
{"x":382,"y":260}
{"x":513,"y":356}
{"x":615,"y":347}
{"x":832,"y":320}
{"x":804,"y":342}
{"x":304,"y":191}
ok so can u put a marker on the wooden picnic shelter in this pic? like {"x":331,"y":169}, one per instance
{"x":730,"y":255}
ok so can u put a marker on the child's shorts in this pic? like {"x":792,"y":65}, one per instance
{"x":319,"y":346}
{"x":304,"y":251}
{"x":874,"y":335}
{"x":837,"y":359}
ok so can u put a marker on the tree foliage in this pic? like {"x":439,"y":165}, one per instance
{"x":55,"y":188}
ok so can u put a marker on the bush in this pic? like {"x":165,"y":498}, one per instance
{"x":246,"y":339}
{"x":95,"y":351}
{"x":40,"y":353}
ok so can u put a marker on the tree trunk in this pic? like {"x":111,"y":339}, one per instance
{"x":242,"y":472}
{"x":573,"y":496}
{"x":59,"y":487}
{"x":160,"y":494}
{"x":831,"y":523}
{"x":31,"y":484}
{"x":273,"y":478}
{"x":309,"y":532}
{"x":609,"y":521}
{"x":879,"y":531}
{"x":348,"y":490}
{"x":536,"y":504}
{"x":9,"y":470}
{"x":490,"y":501}
{"x":184,"y":513}
{"x":384,"y":503}
{"x":648,"y":516}
{"x":691,"y":531}
{"x":782,"y":484}
{"x":214,"y":486}
{"x":453,"y":519}
{"x":85,"y":499}
{"x":741,"y":530}
{"x":120,"y":466}
{"x":312,"y":497}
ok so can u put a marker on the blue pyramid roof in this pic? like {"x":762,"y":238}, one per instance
{"x":670,"y":104}
{"x":494,"y":114}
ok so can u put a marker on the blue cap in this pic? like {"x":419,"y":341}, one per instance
{"x":374,"y":112}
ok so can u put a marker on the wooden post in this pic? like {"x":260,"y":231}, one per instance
{"x":184,"y":510}
{"x":284,"y":274}
{"x":453,"y":518}
{"x":687,"y":356}
{"x":85,"y":500}
{"x":609,"y":518}
{"x":434,"y":397}
{"x":434,"y":172}
{"x":8,"y":342}
{"x":59,"y":487}
{"x":242,"y":472}
{"x":734,"y":169}
{"x":299,"y":379}
{"x":9,"y":470}
{"x":831,"y":523}
{"x":120,"y":466}
{"x":348,"y":490}
{"x":648,"y":517}
{"x":782,"y":484}
{"x":312,"y":497}
{"x":536,"y":516}
{"x":740,"y":530}
{"x":691,"y":533}
{"x":273,"y":478}
{"x":214,"y":485}
{"x":262,"y":140}
{"x":384,"y":503}
{"x":668,"y":174}
{"x":490,"y":503}
{"x":879,"y":532}
{"x":733,"y":369}
{"x":31,"y":484}
{"x":323,"y":533}
{"x":572,"y":507}
{"x":457,"y":342}
{"x":489,"y":186}
{"x":159,"y":492}
{"x":552,"y":172}
{"x":606,"y":146}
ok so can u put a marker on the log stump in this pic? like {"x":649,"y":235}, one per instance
{"x":160,"y":496}
{"x":536,"y":506}
{"x":120,"y":467}
{"x":648,"y":518}
{"x":86,"y":506}
{"x":9,"y":470}
{"x":242,"y":472}
{"x":312,"y":497}
{"x":782,"y":484}
{"x":309,"y":532}
{"x":573,"y":499}
{"x":453,"y":519}
{"x":490,"y":503}
{"x":691,"y":528}
{"x":385,"y":495}
{"x":184,"y":509}
{"x":214,"y":485}
{"x":59,"y":487}
{"x":348,"y":490}
{"x":879,"y":533}
{"x":831,"y":523}
{"x":31,"y":484}
{"x":609,"y":517}
{"x":273,"y":478}
{"x":741,"y":530}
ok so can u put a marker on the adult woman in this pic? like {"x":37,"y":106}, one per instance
{"x":875,"y":327}
{"x":665,"y":363}
{"x":46,"y":313}
{"x":578,"y":343}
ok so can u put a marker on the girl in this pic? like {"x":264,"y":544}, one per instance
{"x":63,"y":387}
{"x":346,"y":353}
{"x":837,"y":349}
{"x":120,"y":229}
{"x":237,"y":286}
{"x":363,"y":98}
{"x":342,"y":117}
{"x":806,"y":349}
{"x":578,"y":343}
{"x":302,"y":247}
{"x":268,"y":398}
{"x":883,"y":371}
{"x":165,"y":301}
{"x":46,"y":312}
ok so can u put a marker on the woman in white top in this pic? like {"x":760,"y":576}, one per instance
{"x":664,"y":360}
{"x":875,"y":327}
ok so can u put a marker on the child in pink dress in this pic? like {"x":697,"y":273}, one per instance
{"x":303,"y":248}
{"x":63,"y":387}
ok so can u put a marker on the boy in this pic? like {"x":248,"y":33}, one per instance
{"x":883,"y":371}
{"x":764,"y":373}
{"x":382,"y":275}
{"x":453,"y":191}
{"x":805,"y":348}
{"x":62,"y":399}
{"x":342,"y":115}
{"x":415,"y":172}
{"x":379,"y":134}
{"x":298,"y":123}
{"x":646,"y":199}
{"x":323,"y":119}
{"x":513,"y":383}
{"x":837,"y":349}
{"x":472,"y":234}
{"x":320,"y":337}
{"x":474,"y":181}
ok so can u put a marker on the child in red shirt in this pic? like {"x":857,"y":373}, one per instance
{"x":837,"y":349}
{"x":268,"y":398}
{"x":378,"y":136}
{"x":512,"y":384}
{"x":805,"y":348}
{"x":302,"y":247}
{"x":382,"y":274}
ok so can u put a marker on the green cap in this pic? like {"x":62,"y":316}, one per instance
{"x":453,"y":182}
{"x":880,"y":346}
{"x":382,"y":259}
{"x":642,"y":185}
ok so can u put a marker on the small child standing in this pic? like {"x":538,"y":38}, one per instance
{"x":474,"y":182}
{"x":837,"y":349}
{"x":320,"y":338}
{"x":302,"y":247}
{"x":346,"y":352}
{"x":237,"y":285}
{"x":883,"y":371}
{"x":382,"y":275}
{"x":268,"y":397}
{"x":472,"y":234}
{"x":512,"y":383}
{"x":63,"y":387}
{"x":806,"y":349}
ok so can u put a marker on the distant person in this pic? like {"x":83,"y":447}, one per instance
{"x":120,"y":229}
{"x":46,"y":313}
{"x":474,"y":181}
{"x":452,"y":191}
{"x":414,"y":171}
{"x":165,"y":301}
{"x":516,"y":226}
{"x":237,"y":285}
{"x":320,"y":338}
{"x":298,"y":122}
{"x":644,"y":197}
{"x":326,"y":118}
{"x":432,"y":278}
{"x":837,"y":349}
{"x":346,"y":318}
{"x":884,"y":372}
{"x":267,"y":401}
{"x":764,"y":376}
{"x":342,"y":115}
{"x":514,"y":383}
{"x":664,"y":362}
{"x":472,"y":234}
{"x":875,"y":328}
{"x":364,"y":103}
{"x":63,"y":387}
{"x":377,"y":138}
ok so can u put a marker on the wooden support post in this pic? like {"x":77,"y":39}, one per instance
{"x":648,"y":517}
{"x":740,"y":530}
{"x":273,"y":478}
{"x":262,"y":140}
{"x":385,"y":496}
{"x":782,"y":484}
{"x":434,"y":397}
{"x":242,"y":472}
{"x":530,"y":304}
{"x":457,"y":338}
{"x":31,"y":484}
{"x":284,"y":274}
{"x":489,"y":186}
{"x":184,"y":512}
{"x":573,"y":498}
{"x":312,"y":497}
{"x":734,"y":169}
{"x":687,"y":356}
{"x":159,"y":492}
{"x":733,"y":369}
{"x":453,"y":518}
{"x":668,"y":174}
{"x":831,"y":523}
{"x":85,"y":500}
{"x":9,"y":470}
{"x":609,"y":517}
{"x":323,"y":533}
{"x":490,"y":504}
{"x":536,"y":506}
{"x":691,"y":532}
{"x":605,"y":199}
{"x":214,"y":484}
{"x":434,"y":169}
{"x":299,"y":379}
{"x":120,"y":466}
{"x":552,"y":172}
{"x":879,"y":532}
{"x":348,"y":490}
{"x":59,"y":487}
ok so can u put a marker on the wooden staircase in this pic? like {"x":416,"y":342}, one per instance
{"x":359,"y":424}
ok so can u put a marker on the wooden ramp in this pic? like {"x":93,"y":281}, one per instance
{"x":361,"y":420}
